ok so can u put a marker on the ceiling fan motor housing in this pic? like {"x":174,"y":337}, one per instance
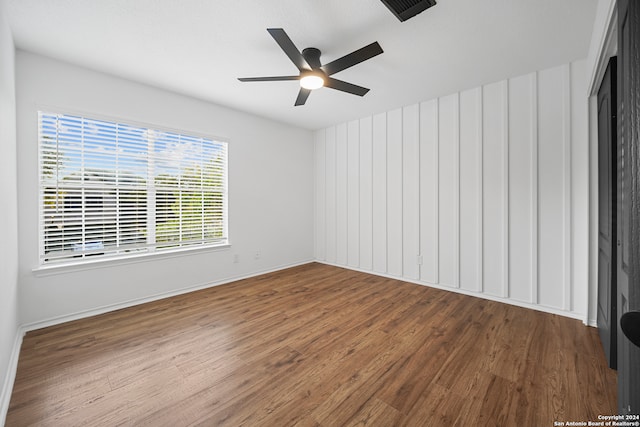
{"x":312,"y":56}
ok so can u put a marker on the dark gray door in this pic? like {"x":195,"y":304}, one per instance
{"x":607,"y":178}
{"x":628,"y":199}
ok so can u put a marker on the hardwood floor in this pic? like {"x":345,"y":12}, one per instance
{"x":314,"y":346}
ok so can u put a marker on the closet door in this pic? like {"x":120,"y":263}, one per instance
{"x":607,"y":178}
{"x":628,"y":199}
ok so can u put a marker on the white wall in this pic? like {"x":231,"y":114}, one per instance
{"x":484,"y":192}
{"x":270,"y":197}
{"x":9,"y":331}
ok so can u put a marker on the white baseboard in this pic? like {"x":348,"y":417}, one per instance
{"x":112,"y":307}
{"x":517,"y":303}
{"x":10,"y":377}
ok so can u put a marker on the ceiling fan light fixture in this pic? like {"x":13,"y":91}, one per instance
{"x":312,"y":80}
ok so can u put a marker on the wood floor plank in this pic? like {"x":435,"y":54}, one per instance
{"x":375,"y":413}
{"x":438,"y":406}
{"x":494,"y":402}
{"x":326,"y":373}
{"x":313,"y":345}
{"x":235,"y":397}
{"x":119,"y":407}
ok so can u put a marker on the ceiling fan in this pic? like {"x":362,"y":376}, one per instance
{"x":314,"y":75}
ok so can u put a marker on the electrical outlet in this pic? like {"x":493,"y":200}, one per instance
{"x":419,"y":259}
{"x":257,"y":256}
{"x":236,"y":258}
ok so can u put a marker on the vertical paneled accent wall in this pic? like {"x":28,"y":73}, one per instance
{"x":474,"y":192}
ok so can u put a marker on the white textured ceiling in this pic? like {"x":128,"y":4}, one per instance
{"x":200,"y":47}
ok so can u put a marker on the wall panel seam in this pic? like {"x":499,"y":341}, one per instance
{"x":386,"y":191}
{"x":480,"y":201}
{"x":456,"y":189}
{"x":402,"y":225}
{"x":372,"y":191}
{"x":566,"y":123}
{"x":505,"y":189}
{"x":419,"y":190}
{"x":316,"y":220}
{"x":345,"y":190}
{"x":324,"y":195}
{"x":436,"y":187}
{"x":534,"y":189}
{"x":336,"y":172}
{"x":319,"y":200}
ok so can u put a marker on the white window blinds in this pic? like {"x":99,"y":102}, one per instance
{"x":113,"y":189}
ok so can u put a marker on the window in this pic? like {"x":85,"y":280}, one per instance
{"x":112,"y":190}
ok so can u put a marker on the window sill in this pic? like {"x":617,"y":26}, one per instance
{"x":47,"y":270}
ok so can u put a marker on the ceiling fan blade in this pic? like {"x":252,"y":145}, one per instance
{"x":289,"y":48}
{"x":345,"y":87}
{"x":268,"y":79}
{"x":302,"y":96}
{"x":352,"y":59}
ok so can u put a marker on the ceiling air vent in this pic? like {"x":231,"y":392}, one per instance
{"x":405,"y":9}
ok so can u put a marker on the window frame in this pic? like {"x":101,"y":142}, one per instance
{"x":84,"y":262}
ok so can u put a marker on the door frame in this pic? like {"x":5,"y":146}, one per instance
{"x":608,"y":47}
